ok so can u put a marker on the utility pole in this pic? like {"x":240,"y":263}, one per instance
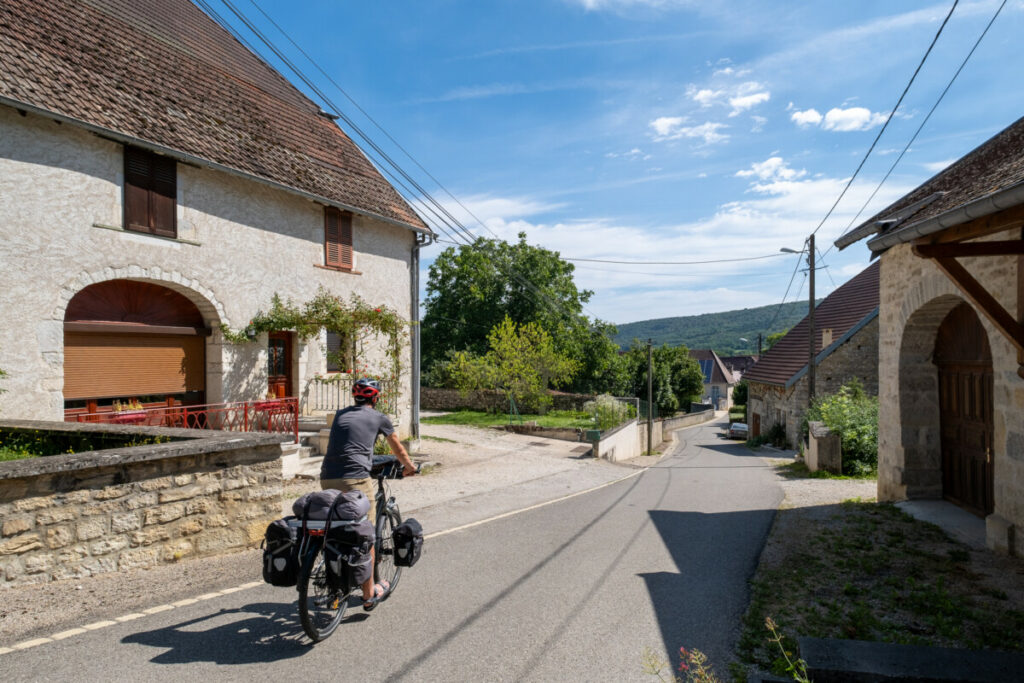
{"x":759,"y":346}
{"x":650,"y":394}
{"x":810,"y":322}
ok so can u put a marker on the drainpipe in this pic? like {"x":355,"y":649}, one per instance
{"x":422,"y":240}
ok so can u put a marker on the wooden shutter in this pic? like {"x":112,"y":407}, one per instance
{"x":163,"y":196}
{"x":114,"y":365}
{"x":150,"y":192}
{"x":338,"y":238}
{"x":138,"y":170}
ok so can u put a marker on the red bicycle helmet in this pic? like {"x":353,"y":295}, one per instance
{"x":366,"y":389}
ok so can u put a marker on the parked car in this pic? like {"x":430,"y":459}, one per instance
{"x":738,"y":430}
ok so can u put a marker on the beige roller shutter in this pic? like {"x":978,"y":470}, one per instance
{"x":102,"y":365}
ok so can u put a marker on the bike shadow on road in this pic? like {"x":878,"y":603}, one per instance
{"x":254,"y":633}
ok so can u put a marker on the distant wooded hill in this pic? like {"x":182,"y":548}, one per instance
{"x":718,"y":331}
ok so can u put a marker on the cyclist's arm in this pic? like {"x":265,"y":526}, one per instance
{"x":399,"y":450}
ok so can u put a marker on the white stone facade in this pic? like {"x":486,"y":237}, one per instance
{"x":915,"y":298}
{"x":239,"y":242}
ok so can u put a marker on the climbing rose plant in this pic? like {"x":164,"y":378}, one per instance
{"x":325,"y":311}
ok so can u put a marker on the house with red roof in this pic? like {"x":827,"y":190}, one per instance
{"x":845,"y":347}
{"x":162,"y":183}
{"x":951,"y":338}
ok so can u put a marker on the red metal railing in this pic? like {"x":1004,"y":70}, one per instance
{"x":278,"y":416}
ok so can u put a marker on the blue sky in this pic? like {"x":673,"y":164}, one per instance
{"x":663,"y":130}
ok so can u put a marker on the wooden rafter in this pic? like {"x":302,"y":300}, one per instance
{"x":996,"y":222}
{"x":958,"y":249}
{"x":982,"y":299}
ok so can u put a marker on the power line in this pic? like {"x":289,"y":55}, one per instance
{"x":452,"y":223}
{"x":781,"y":303}
{"x":672,"y":263}
{"x":923,"y":122}
{"x":888,"y":118}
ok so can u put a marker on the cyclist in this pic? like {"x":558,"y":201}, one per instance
{"x":346,"y":465}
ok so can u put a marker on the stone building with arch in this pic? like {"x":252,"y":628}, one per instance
{"x":951,"y":339}
{"x":144,"y":211}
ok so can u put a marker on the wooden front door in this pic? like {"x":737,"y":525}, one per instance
{"x":279,"y":364}
{"x":965,"y":410}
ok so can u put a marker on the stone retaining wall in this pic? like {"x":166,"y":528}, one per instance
{"x":70,"y":516}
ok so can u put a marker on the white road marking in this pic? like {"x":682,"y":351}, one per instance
{"x":31,"y":643}
{"x":532,"y":507}
{"x":67,"y":634}
{"x":99,"y":624}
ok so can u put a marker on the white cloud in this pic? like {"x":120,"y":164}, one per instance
{"x":854,"y":118}
{"x":773,"y":168}
{"x":808,"y":117}
{"x":674,"y":128}
{"x":759,"y":122}
{"x":705,"y":97}
{"x":744,"y":102}
{"x":633,"y":155}
{"x":936,"y":166}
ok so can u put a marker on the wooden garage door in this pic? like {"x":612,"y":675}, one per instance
{"x":965,"y":411}
{"x":98,"y":365}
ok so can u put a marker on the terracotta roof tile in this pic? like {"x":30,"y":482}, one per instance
{"x":163,"y":72}
{"x":840,"y":312}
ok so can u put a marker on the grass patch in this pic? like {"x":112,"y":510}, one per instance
{"x":476,"y":418}
{"x":15,"y":454}
{"x":798,"y":470}
{"x":871,"y":572}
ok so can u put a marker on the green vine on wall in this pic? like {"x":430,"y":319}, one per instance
{"x":326,"y":311}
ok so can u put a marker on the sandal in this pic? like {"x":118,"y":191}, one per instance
{"x":378,"y":597}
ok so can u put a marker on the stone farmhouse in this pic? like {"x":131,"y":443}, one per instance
{"x":718,"y":379}
{"x":160,"y":181}
{"x":951,"y":339}
{"x":846,"y":347}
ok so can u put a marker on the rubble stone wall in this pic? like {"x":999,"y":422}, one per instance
{"x":71,"y":516}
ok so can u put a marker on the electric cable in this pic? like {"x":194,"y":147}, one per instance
{"x":888,"y":118}
{"x":917,"y":132}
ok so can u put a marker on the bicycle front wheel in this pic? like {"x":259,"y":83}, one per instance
{"x":320,"y":606}
{"x":384,"y":561}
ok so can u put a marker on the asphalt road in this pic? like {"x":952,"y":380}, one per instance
{"x":574,"y":590}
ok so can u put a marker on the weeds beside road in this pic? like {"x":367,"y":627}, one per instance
{"x":867,"y":571}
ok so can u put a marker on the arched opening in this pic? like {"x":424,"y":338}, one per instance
{"x":133,"y":342}
{"x":964,"y":362}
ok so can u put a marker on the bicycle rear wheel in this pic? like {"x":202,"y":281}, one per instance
{"x":320,"y":606}
{"x":384,"y":568}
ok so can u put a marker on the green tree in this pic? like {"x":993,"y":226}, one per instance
{"x":677,"y":377}
{"x":853,"y":415}
{"x":471,"y":289}
{"x":773,"y":338}
{"x":521,"y":360}
{"x":739,"y":393}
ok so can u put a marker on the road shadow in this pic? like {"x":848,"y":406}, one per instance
{"x":255,"y":633}
{"x":716,"y":556}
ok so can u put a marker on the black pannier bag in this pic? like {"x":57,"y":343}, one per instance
{"x":408,"y":543}
{"x":347,"y":553}
{"x":281,"y":553}
{"x":315,"y":505}
{"x":350,"y":505}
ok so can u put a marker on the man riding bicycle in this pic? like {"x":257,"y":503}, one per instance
{"x":349,"y":458}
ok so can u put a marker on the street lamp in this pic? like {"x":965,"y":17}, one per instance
{"x":810,"y":315}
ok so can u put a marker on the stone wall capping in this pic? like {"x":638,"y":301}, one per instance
{"x":186,"y":442}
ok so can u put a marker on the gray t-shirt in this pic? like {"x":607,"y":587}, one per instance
{"x":350,"y":448}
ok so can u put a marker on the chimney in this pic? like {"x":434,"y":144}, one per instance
{"x":826,"y":338}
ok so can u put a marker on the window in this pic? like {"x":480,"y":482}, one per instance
{"x":150,"y":192}
{"x":338,"y":239}
{"x":340,"y":353}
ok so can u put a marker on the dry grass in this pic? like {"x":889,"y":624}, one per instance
{"x":867,"y":571}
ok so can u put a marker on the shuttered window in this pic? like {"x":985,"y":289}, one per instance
{"x":340,"y":352}
{"x":150,"y":192}
{"x":337,"y":238}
